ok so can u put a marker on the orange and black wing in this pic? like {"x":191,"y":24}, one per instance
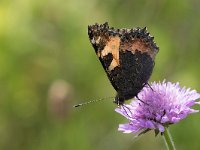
{"x":127,"y":56}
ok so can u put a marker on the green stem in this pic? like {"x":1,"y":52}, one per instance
{"x":168,"y":140}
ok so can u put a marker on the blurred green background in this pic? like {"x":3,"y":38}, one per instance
{"x":47,"y":65}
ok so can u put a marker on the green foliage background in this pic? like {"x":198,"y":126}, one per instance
{"x":47,"y":64}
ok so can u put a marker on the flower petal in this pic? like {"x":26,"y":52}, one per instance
{"x":166,"y":104}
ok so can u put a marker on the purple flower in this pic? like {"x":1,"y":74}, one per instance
{"x":160,"y":105}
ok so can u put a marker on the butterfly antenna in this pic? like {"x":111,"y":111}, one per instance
{"x":92,"y":101}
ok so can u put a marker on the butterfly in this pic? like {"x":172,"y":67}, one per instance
{"x":127,"y":56}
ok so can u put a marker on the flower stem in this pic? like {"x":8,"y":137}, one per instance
{"x":168,"y":140}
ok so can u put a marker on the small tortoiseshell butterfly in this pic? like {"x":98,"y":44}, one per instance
{"x":127,"y":56}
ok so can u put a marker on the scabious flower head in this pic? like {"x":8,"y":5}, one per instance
{"x":160,"y":105}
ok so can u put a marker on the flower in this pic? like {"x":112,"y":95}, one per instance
{"x":158,"y":106}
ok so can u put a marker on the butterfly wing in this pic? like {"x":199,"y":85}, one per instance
{"x":127,"y":56}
